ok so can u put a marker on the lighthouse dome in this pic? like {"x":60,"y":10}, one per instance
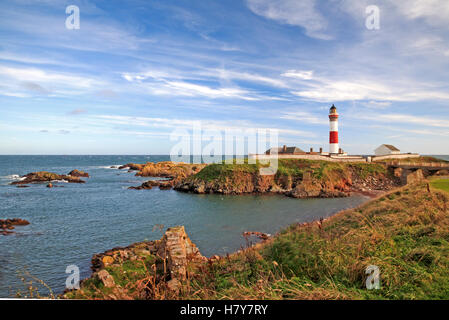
{"x":333,"y":109}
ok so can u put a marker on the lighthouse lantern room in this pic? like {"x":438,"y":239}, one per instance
{"x":333,"y":133}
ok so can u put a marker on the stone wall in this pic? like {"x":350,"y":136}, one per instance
{"x":395,"y":156}
{"x":308,"y":157}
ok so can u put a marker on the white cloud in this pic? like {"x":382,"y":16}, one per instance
{"x":211,"y":125}
{"x":435,"y":12}
{"x":328,"y":90}
{"x":41,"y":76}
{"x":231,"y":75}
{"x":377,"y":104}
{"x":179,"y":88}
{"x":25,"y":82}
{"x":293,"y":12}
{"x":298,"y":74}
{"x":404,"y":118}
{"x":304,"y":117}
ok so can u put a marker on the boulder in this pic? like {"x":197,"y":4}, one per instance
{"x":8,"y":224}
{"x":415,"y":176}
{"x":77,"y":173}
{"x":106,"y":278}
{"x":107,"y":260}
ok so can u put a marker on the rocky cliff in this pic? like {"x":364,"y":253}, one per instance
{"x":173,"y":172}
{"x":295,"y":177}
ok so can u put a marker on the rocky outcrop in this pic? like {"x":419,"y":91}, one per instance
{"x":415,"y":176}
{"x":162,"y":184}
{"x":44,"y":176}
{"x":132,"y":166}
{"x":173,"y":171}
{"x":298,"y":180}
{"x":9,"y":224}
{"x":171,"y":261}
{"x":77,"y":173}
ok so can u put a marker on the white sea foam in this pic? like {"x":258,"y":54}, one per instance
{"x":60,"y":181}
{"x":12,"y":177}
{"x":115,"y":166}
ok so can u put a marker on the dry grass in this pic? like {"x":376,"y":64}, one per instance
{"x":405,"y":233}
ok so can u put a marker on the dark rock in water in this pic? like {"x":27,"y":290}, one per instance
{"x":132,"y":166}
{"x":8,"y":224}
{"x":163,"y":185}
{"x":22,"y":186}
{"x":44,"y":176}
{"x":77,"y":173}
{"x":145,"y":186}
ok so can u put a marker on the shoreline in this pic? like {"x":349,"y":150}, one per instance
{"x":97,"y":263}
{"x":314,"y":226}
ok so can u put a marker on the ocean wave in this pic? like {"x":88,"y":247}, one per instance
{"x":112,"y":166}
{"x":15,"y":177}
{"x":60,"y":181}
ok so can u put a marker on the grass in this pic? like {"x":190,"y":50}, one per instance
{"x":404,"y":233}
{"x":422,"y":159}
{"x":441,"y":184}
{"x":290,"y":167}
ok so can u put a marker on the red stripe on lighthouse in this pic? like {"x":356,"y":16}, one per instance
{"x":333,"y":137}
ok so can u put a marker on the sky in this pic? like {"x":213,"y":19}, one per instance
{"x":137,"y":71}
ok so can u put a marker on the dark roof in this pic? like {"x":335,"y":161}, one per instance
{"x":288,"y":150}
{"x":333,"y":107}
{"x":391,"y":147}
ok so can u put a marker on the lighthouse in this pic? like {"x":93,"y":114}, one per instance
{"x":333,"y":133}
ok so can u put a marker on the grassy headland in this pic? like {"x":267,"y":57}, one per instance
{"x":294,"y":177}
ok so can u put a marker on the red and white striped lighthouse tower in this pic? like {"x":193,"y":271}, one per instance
{"x":333,"y":133}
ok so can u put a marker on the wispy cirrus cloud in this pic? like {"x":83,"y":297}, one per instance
{"x":404,"y":119}
{"x":298,"y":74}
{"x":304,"y":117}
{"x":297,"y":13}
{"x":28,"y":81}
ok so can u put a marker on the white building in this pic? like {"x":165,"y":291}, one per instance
{"x":386,"y":149}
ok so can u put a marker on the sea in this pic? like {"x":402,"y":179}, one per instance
{"x":72,"y":222}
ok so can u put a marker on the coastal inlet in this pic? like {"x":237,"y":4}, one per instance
{"x":69,"y":225}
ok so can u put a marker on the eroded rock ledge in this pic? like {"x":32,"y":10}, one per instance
{"x":9,"y":224}
{"x":44,"y":176}
{"x":174,"y":172}
{"x":142,"y":267}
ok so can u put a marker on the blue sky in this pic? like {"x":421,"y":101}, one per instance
{"x":136,"y":71}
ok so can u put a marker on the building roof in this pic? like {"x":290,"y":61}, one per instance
{"x":287,"y":150}
{"x":391,"y":147}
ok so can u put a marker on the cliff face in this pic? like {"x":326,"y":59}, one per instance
{"x":295,"y":177}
